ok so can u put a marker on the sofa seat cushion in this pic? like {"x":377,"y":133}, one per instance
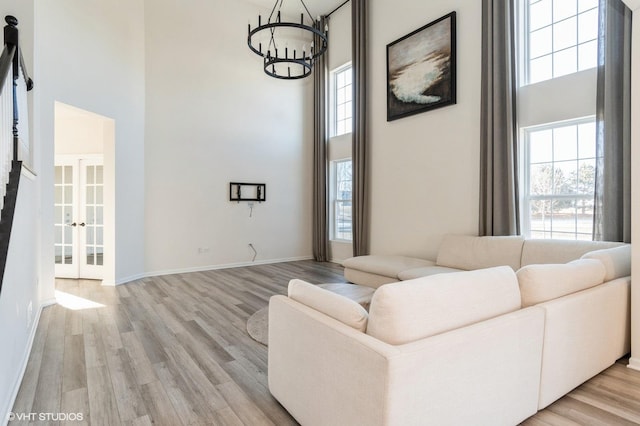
{"x":559,"y":251}
{"x":329,"y":303}
{"x":388,"y":266}
{"x":411,"y":310}
{"x":540,"y":283}
{"x":425,"y":271}
{"x":470,"y":253}
{"x":616,"y":261}
{"x":367,"y":278}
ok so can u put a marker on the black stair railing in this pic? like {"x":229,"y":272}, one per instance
{"x":14,"y":83}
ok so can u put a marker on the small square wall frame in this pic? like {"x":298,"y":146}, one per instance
{"x":241,"y":191}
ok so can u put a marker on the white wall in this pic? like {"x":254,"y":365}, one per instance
{"x":564,"y":98}
{"x":214,"y":117}
{"x":91,"y":55}
{"x":77,"y":132}
{"x":424,"y":168}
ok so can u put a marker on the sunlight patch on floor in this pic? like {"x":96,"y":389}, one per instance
{"x":75,"y":303}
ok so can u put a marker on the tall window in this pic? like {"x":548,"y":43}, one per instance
{"x":341,"y":217}
{"x":342,"y":105}
{"x":561,"y":37}
{"x":557,"y":185}
{"x":559,"y":179}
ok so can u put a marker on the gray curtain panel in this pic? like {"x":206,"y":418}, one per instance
{"x":499,"y":198}
{"x":360,"y":196}
{"x":320,"y":225}
{"x":612,"y":211}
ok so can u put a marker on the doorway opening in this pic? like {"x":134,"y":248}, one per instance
{"x":84,"y":183}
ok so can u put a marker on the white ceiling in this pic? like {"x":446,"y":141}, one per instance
{"x":316,"y":7}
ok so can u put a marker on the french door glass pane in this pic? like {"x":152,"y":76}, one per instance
{"x":94,"y":215}
{"x":63,"y":214}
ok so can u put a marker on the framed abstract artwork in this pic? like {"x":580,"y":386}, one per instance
{"x":421,"y":69}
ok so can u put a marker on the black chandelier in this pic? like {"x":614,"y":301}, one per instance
{"x":289,"y":49}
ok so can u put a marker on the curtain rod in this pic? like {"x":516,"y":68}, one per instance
{"x":336,"y":9}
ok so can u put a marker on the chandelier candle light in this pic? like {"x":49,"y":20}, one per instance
{"x":289,"y":49}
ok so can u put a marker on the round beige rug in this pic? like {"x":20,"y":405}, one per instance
{"x":258,"y":326}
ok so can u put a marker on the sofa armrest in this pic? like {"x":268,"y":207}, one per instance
{"x":585,"y":333}
{"x":325,"y":373}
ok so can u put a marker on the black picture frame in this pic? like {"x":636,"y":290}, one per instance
{"x":421,"y":69}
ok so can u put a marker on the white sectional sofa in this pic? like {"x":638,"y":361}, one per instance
{"x":465,"y":253}
{"x":489,"y":346}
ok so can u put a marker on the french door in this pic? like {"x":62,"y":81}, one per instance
{"x":79,"y":217}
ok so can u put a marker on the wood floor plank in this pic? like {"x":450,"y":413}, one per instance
{"x":228,"y":417}
{"x":140,"y":364}
{"x":94,"y":352}
{"x":76,"y":403}
{"x":201,"y":394}
{"x":549,"y":418}
{"x":48,"y":394}
{"x":26,"y":394}
{"x":212,"y":369}
{"x":257,"y":391}
{"x":74,"y":369}
{"x":103,"y":406}
{"x":73,"y":326}
{"x":174,"y":350}
{"x":242,"y":406}
{"x":607,"y":403}
{"x":141,"y":421}
{"x":179,"y":399}
{"x":126,"y":390}
{"x":161,"y":410}
{"x":586,"y":414}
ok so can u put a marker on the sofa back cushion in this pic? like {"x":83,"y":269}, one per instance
{"x":559,"y":251}
{"x":331,"y":304}
{"x":470,"y":253}
{"x":616,"y":261}
{"x":411,"y":310}
{"x":543,"y":282}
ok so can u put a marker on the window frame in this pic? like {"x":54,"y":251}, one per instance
{"x":333,"y":100}
{"x":523,"y":36}
{"x":336,"y":200}
{"x":525,"y":174}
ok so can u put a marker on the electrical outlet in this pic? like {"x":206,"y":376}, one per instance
{"x":202,"y":250}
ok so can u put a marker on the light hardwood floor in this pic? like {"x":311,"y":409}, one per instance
{"x":173,"y":350}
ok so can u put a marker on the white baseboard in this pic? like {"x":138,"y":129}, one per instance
{"x":25,"y":358}
{"x":200,"y":269}
{"x":125,"y":280}
{"x":225,"y":266}
{"x":634,"y":364}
